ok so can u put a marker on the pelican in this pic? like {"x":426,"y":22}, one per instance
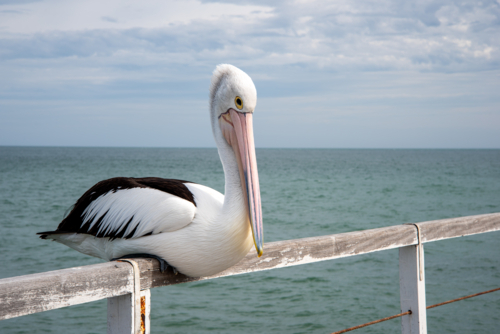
{"x":188,"y":226}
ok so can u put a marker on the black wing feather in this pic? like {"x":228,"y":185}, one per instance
{"x":73,"y":223}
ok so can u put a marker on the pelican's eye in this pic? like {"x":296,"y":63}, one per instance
{"x":239,"y":102}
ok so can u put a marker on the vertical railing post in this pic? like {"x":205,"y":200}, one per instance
{"x":121,"y":313}
{"x":130,"y":313}
{"x":412,"y":289}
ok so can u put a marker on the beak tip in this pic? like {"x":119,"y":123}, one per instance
{"x":260,"y":252}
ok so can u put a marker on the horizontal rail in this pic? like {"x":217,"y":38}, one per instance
{"x":55,"y":289}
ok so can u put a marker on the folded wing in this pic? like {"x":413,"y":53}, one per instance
{"x":130,"y":208}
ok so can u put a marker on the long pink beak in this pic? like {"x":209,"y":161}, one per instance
{"x":244,"y":148}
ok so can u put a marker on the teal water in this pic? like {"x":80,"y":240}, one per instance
{"x":305,"y":193}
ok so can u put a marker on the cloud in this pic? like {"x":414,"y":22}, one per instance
{"x":359,"y":35}
{"x":17,"y":2}
{"x":322,"y":54}
{"x":61,"y":15}
{"x":109,"y":19}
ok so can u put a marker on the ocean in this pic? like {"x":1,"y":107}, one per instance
{"x":305,"y":192}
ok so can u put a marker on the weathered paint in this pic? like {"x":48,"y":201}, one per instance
{"x":54,"y":289}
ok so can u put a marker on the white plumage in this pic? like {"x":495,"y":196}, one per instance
{"x":157,"y":210}
{"x":194,"y":228}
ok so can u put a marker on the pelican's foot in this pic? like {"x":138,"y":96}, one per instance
{"x":163,"y":264}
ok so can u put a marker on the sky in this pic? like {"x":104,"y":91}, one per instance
{"x":329,"y":74}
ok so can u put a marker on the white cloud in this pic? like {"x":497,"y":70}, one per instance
{"x":342,"y":35}
{"x":154,"y":52}
{"x":64,"y":15}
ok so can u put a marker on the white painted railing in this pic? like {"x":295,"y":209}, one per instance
{"x":128,"y":301}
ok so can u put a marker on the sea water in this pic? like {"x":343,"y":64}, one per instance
{"x":305,"y":192}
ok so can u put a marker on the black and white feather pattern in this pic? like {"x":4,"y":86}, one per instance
{"x":130,"y":208}
{"x":205,"y":232}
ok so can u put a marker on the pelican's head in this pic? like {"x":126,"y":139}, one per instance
{"x":232,"y":101}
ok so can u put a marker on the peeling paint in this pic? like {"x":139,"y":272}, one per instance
{"x":269,"y":259}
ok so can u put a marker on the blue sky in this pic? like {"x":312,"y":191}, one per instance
{"x":340,"y":74}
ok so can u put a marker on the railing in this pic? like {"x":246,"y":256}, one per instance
{"x":127,"y":313}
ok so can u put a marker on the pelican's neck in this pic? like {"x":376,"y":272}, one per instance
{"x":234,"y":209}
{"x":234,"y":205}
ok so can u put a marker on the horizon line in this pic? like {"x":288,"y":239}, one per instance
{"x":266,"y":147}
